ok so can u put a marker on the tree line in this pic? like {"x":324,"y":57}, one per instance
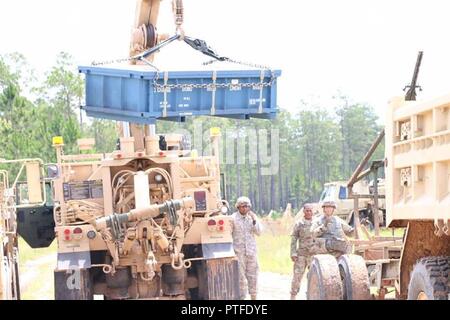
{"x":287,"y":160}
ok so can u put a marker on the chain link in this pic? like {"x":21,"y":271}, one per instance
{"x":213,"y":86}
{"x":248,"y":64}
{"x":101,"y":63}
{"x":209,"y":86}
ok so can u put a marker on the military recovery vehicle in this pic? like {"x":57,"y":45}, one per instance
{"x":142,"y":224}
{"x":337,"y":191}
{"x":149,"y":220}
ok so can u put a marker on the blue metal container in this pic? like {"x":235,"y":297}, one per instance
{"x":140,"y":95}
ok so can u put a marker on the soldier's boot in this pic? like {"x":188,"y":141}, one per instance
{"x":293,"y":296}
{"x":253,"y":297}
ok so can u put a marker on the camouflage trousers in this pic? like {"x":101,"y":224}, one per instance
{"x":248,"y":274}
{"x":300,"y":266}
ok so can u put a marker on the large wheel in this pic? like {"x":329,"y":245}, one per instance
{"x":355,"y":277}
{"x":430,"y":279}
{"x":324,"y":280}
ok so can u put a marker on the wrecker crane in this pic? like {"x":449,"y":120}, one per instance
{"x":149,"y":220}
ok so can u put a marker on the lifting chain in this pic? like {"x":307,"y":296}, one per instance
{"x":231,"y":85}
{"x":199,"y":45}
{"x":243,"y":63}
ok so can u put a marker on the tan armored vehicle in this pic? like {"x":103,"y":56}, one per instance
{"x":12,"y":220}
{"x":130,"y":224}
{"x":9,"y":286}
{"x":142,"y":224}
{"x":337,"y":191}
{"x":418,"y":191}
{"x":147,"y":221}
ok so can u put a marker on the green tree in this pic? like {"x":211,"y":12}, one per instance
{"x":105,"y":134}
{"x":359,"y":129}
{"x":63,"y":87}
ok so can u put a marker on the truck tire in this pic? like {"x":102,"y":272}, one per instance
{"x":324,"y":279}
{"x":430,"y":279}
{"x":355,"y":277}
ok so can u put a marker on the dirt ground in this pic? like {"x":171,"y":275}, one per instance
{"x":274,"y":286}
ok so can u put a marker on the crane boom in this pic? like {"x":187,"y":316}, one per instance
{"x":144,"y":37}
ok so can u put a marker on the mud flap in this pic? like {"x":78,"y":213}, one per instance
{"x":219,"y":279}
{"x":217,"y":250}
{"x":75,"y":284}
{"x":74,"y":260}
{"x":73,"y":279}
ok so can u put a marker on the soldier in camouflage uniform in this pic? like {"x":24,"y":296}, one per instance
{"x":303,"y":247}
{"x":245,"y":226}
{"x":331,"y":231}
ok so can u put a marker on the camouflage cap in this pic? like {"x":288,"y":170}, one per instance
{"x":329,"y":204}
{"x":307,"y":206}
{"x":243,"y":200}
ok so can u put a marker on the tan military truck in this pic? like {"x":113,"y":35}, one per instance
{"x":11,"y":220}
{"x":142,"y":224}
{"x":417,"y":169}
{"x":9,"y":285}
{"x":418,"y":193}
{"x":337,"y":191}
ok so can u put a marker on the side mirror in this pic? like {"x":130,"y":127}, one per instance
{"x":52,"y":171}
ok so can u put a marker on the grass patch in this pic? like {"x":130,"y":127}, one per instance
{"x":26,"y":253}
{"x":36,"y":271}
{"x":274,"y":253}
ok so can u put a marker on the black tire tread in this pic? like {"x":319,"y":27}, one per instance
{"x":434,"y":270}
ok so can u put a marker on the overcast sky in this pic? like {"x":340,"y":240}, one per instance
{"x":365,"y":49}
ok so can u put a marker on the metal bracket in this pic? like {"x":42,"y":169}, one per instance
{"x":441,"y":227}
{"x":213,"y":88}
{"x":166,"y":79}
{"x":260,"y":110}
{"x":376,"y":275}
